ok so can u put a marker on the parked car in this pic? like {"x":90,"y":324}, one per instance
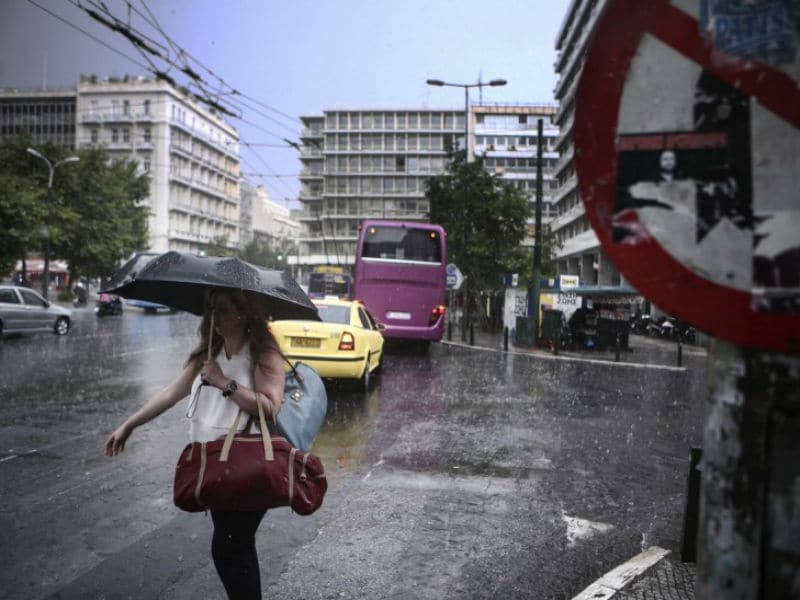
{"x":24,"y":311}
{"x":347,"y":344}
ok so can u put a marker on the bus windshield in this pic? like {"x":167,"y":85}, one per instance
{"x":402,"y":243}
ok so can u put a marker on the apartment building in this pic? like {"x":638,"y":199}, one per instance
{"x":47,"y":116}
{"x":261,"y":218}
{"x":506,"y":136}
{"x":190,"y":154}
{"x":581,"y":253}
{"x":359,"y":164}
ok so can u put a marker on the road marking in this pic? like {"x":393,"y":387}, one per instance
{"x":616,"y":579}
{"x":47,"y":447}
{"x":581,"y":529}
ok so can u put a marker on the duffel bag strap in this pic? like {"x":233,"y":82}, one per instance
{"x":266,"y":439}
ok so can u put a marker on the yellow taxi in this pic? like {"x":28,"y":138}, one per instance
{"x":346,"y":344}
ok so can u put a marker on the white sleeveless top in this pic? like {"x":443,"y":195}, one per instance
{"x":213,"y":414}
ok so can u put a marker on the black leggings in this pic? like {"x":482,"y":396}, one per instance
{"x":233,"y":549}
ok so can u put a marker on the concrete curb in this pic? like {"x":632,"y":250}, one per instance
{"x":616,"y":579}
{"x":563,"y":357}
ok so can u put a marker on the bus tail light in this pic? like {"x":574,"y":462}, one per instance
{"x":436,"y":312}
{"x":347,"y":342}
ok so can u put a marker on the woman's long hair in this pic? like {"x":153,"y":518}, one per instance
{"x":253,"y":309}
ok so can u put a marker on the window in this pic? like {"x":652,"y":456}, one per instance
{"x":126,"y":107}
{"x":126,"y":135}
{"x":146,"y":166}
{"x":114,"y":136}
{"x":147,"y":135}
{"x":31,"y":299}
{"x":400,"y":164}
{"x":8,"y":296}
{"x":147,"y":107}
{"x":94,"y":135}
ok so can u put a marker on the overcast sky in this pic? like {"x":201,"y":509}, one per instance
{"x":298,"y":57}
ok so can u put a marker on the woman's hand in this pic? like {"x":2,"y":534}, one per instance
{"x":116,"y":441}
{"x":212,"y":374}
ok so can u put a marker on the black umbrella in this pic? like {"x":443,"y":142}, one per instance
{"x":127,"y":272}
{"x":180,"y":281}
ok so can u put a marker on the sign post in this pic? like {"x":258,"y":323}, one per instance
{"x":687,"y":145}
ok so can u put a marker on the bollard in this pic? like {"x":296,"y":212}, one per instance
{"x":692,"y":508}
{"x":471,"y":334}
{"x":505,"y":339}
{"x":616,"y":349}
{"x":450,"y":330}
{"x":680,"y":353}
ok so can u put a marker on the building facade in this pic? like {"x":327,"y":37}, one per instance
{"x":580,"y":253}
{"x":190,"y":154}
{"x":359,"y":164}
{"x":261,"y":218}
{"x":506,"y":136}
{"x":46,"y":116}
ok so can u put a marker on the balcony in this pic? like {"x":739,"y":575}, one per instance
{"x":568,"y":217}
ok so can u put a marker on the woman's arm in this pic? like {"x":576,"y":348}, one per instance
{"x":161,"y":401}
{"x":268,"y":380}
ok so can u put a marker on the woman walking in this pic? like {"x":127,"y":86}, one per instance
{"x":245,"y":369}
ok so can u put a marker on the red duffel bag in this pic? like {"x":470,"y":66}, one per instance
{"x":248,"y":471}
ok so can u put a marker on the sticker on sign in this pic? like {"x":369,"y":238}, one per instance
{"x":688,"y":158}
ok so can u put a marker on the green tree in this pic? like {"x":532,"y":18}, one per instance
{"x":218,"y":246}
{"x":101,"y":218}
{"x":94,"y":212}
{"x":485,"y":221}
{"x":22,"y":206}
{"x":270,"y":254}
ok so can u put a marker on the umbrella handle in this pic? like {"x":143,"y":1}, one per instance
{"x":211,"y":334}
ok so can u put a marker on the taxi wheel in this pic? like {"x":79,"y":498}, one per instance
{"x":365,"y":376}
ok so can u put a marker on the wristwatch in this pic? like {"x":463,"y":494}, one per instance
{"x":231,"y":388}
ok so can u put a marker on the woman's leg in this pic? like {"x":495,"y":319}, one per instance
{"x":233,"y":549}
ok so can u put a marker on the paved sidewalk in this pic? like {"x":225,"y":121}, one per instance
{"x":669,"y":579}
{"x":655,"y":574}
{"x":643,"y":351}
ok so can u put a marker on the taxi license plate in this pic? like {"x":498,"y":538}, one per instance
{"x":304,"y":342}
{"x":403,"y":316}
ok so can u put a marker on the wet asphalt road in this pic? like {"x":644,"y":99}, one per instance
{"x":462,"y":474}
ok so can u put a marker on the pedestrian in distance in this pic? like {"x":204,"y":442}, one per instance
{"x":245,"y":369}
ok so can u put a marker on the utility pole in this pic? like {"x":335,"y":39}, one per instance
{"x":464,"y":241}
{"x":537,"y":245}
{"x":48,"y":199}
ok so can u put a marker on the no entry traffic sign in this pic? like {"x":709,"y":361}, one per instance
{"x":687,"y":142}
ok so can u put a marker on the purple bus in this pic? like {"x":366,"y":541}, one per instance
{"x":400,"y":276}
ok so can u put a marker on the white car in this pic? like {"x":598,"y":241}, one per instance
{"x":24,"y":311}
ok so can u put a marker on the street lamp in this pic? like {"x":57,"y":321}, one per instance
{"x":52,"y":167}
{"x":466,"y":86}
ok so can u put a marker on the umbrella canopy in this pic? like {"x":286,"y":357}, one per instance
{"x":127,"y":272}
{"x":180,"y":281}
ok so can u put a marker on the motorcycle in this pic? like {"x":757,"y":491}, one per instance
{"x":108,"y":305}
